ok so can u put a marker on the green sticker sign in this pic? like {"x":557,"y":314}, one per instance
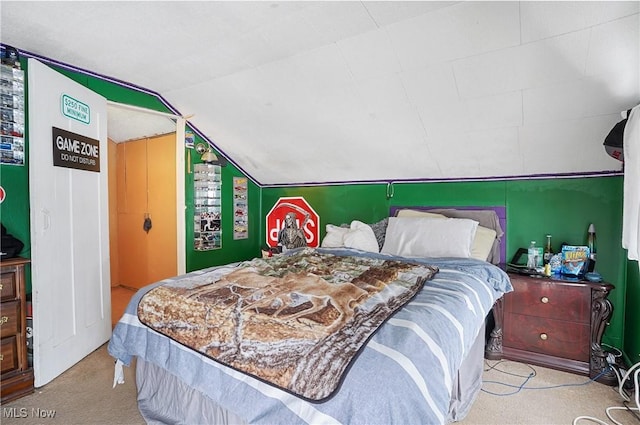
{"x":76,"y":110}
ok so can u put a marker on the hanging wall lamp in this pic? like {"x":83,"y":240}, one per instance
{"x":207,"y":155}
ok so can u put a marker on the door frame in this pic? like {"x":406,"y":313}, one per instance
{"x":180,"y":178}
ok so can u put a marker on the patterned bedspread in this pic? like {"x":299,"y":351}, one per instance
{"x":294,"y":321}
{"x":403,"y":374}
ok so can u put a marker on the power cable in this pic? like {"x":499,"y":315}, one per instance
{"x":611,"y":359}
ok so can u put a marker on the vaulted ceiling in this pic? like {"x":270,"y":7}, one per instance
{"x":296,"y":92}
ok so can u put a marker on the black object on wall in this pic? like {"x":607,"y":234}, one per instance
{"x":613,"y":141}
{"x":10,"y":246}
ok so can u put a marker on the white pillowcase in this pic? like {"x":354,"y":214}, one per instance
{"x":358,"y":236}
{"x":483,"y":243}
{"x":361,"y":236}
{"x":429,"y":237}
{"x":334,"y":237}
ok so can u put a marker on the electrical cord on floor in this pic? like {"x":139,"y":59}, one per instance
{"x":526,"y":378}
{"x":622,"y":379}
{"x":518,"y":387}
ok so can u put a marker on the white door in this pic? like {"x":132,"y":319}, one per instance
{"x":69,"y":223}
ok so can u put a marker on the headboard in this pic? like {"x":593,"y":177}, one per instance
{"x":501,"y":211}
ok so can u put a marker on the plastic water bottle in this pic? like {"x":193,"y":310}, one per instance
{"x":532,"y":256}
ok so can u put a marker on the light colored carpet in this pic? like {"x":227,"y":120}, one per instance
{"x":83,"y":395}
{"x":548,"y":398}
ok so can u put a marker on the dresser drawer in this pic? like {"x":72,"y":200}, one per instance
{"x":9,"y":354}
{"x":571,"y":302}
{"x":569,"y":340}
{"x":9,"y":318}
{"x":8,"y":286}
{"x":17,"y":377}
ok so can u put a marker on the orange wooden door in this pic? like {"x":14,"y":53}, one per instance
{"x":162,"y":255}
{"x":146,"y":187}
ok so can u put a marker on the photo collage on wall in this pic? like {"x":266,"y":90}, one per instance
{"x":240,"y":208}
{"x":12,"y":112}
{"x":207,"y":209}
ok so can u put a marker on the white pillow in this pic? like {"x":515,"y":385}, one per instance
{"x":429,"y":237}
{"x":417,"y":213}
{"x":483,"y":243}
{"x":361,"y":236}
{"x":334,"y":237}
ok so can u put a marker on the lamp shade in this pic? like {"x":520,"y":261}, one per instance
{"x":209,"y":157}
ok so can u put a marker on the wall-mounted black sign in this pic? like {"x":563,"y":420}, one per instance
{"x":72,"y":150}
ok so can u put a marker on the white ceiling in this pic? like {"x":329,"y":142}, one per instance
{"x":297,"y":92}
{"x":125,"y":124}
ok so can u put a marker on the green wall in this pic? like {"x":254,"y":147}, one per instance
{"x":632,"y":314}
{"x":232,"y":250}
{"x":563,"y":208}
{"x":14,"y":210}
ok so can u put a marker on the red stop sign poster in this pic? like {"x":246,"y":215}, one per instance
{"x":305,"y":217}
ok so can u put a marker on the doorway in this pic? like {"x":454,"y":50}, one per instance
{"x":146,"y":220}
{"x":146,"y":200}
{"x":143,"y":240}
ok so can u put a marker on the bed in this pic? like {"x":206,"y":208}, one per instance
{"x":420,"y":364}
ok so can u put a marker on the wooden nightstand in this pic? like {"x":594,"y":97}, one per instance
{"x":16,"y":379}
{"x":553,"y":323}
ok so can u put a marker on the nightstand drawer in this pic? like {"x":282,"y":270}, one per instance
{"x":8,"y":286}
{"x":8,"y":354}
{"x":568,"y":340}
{"x":9,"y":318}
{"x":549,"y":299}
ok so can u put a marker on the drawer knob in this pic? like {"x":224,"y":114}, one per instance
{"x":4,"y":319}
{"x":543,"y":336}
{"x":544,"y":300}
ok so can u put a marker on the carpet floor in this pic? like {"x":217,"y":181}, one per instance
{"x":84,"y":395}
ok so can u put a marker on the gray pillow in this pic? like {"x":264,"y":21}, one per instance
{"x":380,"y":230}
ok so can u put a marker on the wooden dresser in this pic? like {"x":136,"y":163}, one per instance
{"x":553,"y":323}
{"x":16,"y":379}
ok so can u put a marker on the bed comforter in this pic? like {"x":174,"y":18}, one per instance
{"x":295,"y":321}
{"x":404,"y":374}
